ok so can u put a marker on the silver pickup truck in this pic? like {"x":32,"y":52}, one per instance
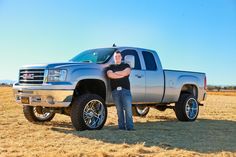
{"x":80,"y":88}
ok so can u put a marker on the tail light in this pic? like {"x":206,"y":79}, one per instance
{"x":205,"y":83}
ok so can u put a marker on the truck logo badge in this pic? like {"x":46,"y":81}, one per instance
{"x":28,"y":76}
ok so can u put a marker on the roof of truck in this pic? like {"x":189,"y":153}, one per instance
{"x":122,"y":47}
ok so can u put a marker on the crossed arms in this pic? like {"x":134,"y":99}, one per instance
{"x":118,"y":74}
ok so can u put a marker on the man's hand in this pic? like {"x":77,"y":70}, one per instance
{"x":113,"y":75}
{"x":124,"y":72}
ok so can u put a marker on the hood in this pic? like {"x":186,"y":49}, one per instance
{"x":55,"y":65}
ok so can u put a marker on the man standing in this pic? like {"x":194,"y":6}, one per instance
{"x":120,"y":87}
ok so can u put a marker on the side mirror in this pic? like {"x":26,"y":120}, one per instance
{"x":129,"y":59}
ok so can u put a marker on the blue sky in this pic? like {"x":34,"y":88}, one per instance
{"x":196,"y":35}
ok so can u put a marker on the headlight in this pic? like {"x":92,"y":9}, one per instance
{"x":56,"y":75}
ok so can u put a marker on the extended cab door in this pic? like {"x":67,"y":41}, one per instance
{"x":137,"y":77}
{"x":154,"y":77}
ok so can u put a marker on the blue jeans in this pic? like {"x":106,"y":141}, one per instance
{"x":123,"y":101}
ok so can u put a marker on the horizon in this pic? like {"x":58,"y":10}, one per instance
{"x":187,"y":35}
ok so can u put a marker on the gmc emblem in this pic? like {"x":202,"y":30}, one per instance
{"x":28,"y":76}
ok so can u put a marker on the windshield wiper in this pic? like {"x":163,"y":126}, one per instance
{"x":86,"y":61}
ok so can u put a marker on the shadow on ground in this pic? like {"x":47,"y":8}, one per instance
{"x":203,"y":135}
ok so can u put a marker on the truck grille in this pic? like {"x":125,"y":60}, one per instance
{"x":31,"y":76}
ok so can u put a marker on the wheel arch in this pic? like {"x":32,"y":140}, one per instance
{"x":189,"y":89}
{"x":93,"y":86}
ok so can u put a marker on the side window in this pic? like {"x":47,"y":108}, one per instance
{"x":137,"y":64}
{"x":149,"y":60}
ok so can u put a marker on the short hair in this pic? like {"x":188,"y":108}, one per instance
{"x":117,"y":51}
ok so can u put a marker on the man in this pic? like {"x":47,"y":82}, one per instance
{"x":118,"y":74}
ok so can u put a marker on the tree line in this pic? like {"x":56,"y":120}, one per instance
{"x":220,"y":88}
{"x":5,"y":85}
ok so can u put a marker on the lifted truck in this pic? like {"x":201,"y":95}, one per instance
{"x":80,"y":89}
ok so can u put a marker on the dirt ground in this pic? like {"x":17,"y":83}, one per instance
{"x":158,"y":134}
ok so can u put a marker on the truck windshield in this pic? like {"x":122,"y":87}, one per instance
{"x":94,"y":56}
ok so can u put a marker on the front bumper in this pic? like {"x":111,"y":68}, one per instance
{"x":41,"y":96}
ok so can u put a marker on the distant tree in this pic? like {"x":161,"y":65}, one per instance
{"x":218,"y":88}
{"x":210,"y":87}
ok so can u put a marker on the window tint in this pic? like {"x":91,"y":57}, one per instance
{"x":137,"y":64}
{"x":149,"y":60}
{"x":94,"y":55}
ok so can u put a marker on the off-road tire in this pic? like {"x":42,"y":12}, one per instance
{"x":30,"y":115}
{"x":77,"y":111}
{"x":181,"y":105}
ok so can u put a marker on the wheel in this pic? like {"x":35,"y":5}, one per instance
{"x":140,"y":111}
{"x":37,"y":114}
{"x":187,"y":108}
{"x":88,"y":111}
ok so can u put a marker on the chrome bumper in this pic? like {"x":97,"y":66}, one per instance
{"x":43,"y":97}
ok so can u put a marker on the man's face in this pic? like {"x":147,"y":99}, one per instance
{"x":117,"y":58}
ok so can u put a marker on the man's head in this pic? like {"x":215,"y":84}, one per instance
{"x":117,"y":57}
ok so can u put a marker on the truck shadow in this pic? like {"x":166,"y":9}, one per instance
{"x":203,"y":135}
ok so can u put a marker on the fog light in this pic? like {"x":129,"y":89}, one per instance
{"x":50,"y":100}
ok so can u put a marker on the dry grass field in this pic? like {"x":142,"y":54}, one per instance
{"x":159,"y":134}
{"x":226,"y":93}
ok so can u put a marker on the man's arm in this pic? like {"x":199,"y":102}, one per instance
{"x":113,"y":75}
{"x":124,"y":72}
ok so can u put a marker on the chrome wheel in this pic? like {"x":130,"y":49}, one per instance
{"x":187,"y":108}
{"x":37,"y":114}
{"x":142,"y":110}
{"x":41,"y":114}
{"x":94,"y":114}
{"x":191,"y":108}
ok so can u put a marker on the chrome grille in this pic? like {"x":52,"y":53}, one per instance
{"x":31,"y":76}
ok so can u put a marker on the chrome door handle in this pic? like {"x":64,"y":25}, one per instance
{"x":138,"y":76}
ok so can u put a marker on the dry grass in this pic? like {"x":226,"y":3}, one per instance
{"x":159,"y":134}
{"x":226,"y":93}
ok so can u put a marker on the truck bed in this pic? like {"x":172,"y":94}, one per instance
{"x":176,"y":79}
